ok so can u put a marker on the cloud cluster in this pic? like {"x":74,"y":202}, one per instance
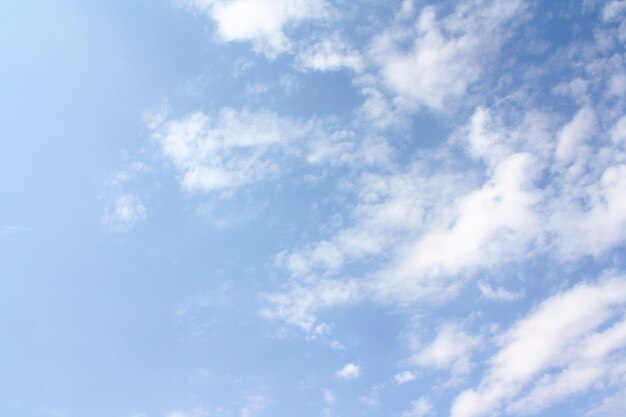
{"x":451,"y":349}
{"x":568,"y":343}
{"x":236,"y":148}
{"x":330,"y":54}
{"x":419,"y":408}
{"x":446,"y":55}
{"x":538,"y":171}
{"x":262,"y":22}
{"x":442,"y":229}
{"x":228,"y":151}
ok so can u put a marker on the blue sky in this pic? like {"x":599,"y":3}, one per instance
{"x":312,"y":208}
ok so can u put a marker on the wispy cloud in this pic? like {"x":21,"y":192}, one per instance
{"x":13,"y":230}
{"x":451,"y":349}
{"x":498,"y":293}
{"x":572,"y":336}
{"x":237,"y":148}
{"x":124,"y":212}
{"x":419,"y":408}
{"x":330,"y":54}
{"x":254,"y":405}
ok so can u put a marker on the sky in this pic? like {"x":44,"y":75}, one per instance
{"x":312,"y":208}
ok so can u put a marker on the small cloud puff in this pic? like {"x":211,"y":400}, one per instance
{"x":419,"y":408}
{"x":125,"y":212}
{"x":261,"y":22}
{"x":500,"y":294}
{"x":329,"y":397}
{"x":350,"y":371}
{"x":404,"y":377}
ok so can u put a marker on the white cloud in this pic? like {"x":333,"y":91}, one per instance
{"x":572,"y":136}
{"x":389,"y":207}
{"x":425,"y":231}
{"x":350,"y":371}
{"x":599,"y":223}
{"x":262,"y":22}
{"x":377,"y":109}
{"x":429,"y":226}
{"x":372,"y":397}
{"x":551,"y":389}
{"x":431,"y":230}
{"x":125,"y":212}
{"x":484,"y":139}
{"x":613,"y":10}
{"x":343,"y":148}
{"x":612,"y":406}
{"x":543,"y":187}
{"x":239,"y":148}
{"x":127,"y":174}
{"x":447,"y":54}
{"x":419,"y":408}
{"x":330,"y":54}
{"x":13,"y":230}
{"x":497,"y":293}
{"x":336,"y":345}
{"x":299,"y":304}
{"x":219,"y":411}
{"x":407,"y":8}
{"x":490,"y":225}
{"x":124,"y":209}
{"x":321,"y":329}
{"x":234,"y":149}
{"x":156,"y":115}
{"x":254,"y":405}
{"x":559,"y":349}
{"x":329,"y":397}
{"x":617,"y":85}
{"x":618,"y":132}
{"x":435,"y":60}
{"x":321,"y":332}
{"x":258,"y":88}
{"x":451,"y":349}
{"x":404,"y":377}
